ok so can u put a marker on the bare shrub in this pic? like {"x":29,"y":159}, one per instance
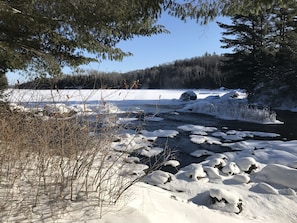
{"x":46,"y":163}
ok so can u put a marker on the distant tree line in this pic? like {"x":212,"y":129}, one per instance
{"x":197,"y":72}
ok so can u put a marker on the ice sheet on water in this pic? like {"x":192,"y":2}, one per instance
{"x":205,"y":139}
{"x":159,"y":133}
{"x":193,"y":128}
{"x":201,"y":152}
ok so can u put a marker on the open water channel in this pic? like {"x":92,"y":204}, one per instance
{"x":181,"y":145}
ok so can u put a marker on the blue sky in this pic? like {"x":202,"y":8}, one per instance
{"x":186,"y":40}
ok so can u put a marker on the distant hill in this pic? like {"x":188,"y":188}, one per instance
{"x":197,"y":72}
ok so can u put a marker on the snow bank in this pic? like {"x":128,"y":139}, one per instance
{"x":232,"y":105}
{"x":278,"y":175}
{"x":224,"y":104}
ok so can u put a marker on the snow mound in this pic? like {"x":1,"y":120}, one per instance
{"x":231,"y":169}
{"x":233,"y":105}
{"x":241,"y":178}
{"x":264,"y":188}
{"x":194,"y":171}
{"x":217,"y":163}
{"x":225,"y":200}
{"x":159,"y":177}
{"x":247,"y":164}
{"x":212,"y":173}
{"x":279,"y":175}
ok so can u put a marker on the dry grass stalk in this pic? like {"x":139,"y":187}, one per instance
{"x":45,"y":164}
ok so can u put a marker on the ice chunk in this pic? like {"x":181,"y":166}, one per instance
{"x":173,"y":163}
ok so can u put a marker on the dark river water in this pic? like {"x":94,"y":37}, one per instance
{"x":181,"y":146}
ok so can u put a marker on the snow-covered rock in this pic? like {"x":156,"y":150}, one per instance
{"x":212,"y":173}
{"x":188,"y":96}
{"x":226,"y":201}
{"x":217,"y":163}
{"x":194,"y":171}
{"x":247,"y":164}
{"x":160,"y":177}
{"x":241,"y":178}
{"x":231,"y":169}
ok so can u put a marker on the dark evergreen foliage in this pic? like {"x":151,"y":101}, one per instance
{"x":251,"y":49}
{"x":264,"y":48}
{"x":3,"y":81}
{"x":43,"y":36}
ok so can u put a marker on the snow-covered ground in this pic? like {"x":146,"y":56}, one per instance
{"x":256,"y":181}
{"x":222,"y":103}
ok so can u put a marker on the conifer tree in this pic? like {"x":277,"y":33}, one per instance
{"x":3,"y":82}
{"x":250,"y":44}
{"x":285,"y":37}
{"x":46,"y":35}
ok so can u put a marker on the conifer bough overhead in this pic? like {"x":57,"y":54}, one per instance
{"x":47,"y":35}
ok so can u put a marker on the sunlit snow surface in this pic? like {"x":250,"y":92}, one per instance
{"x":224,"y":104}
{"x":254,"y":182}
